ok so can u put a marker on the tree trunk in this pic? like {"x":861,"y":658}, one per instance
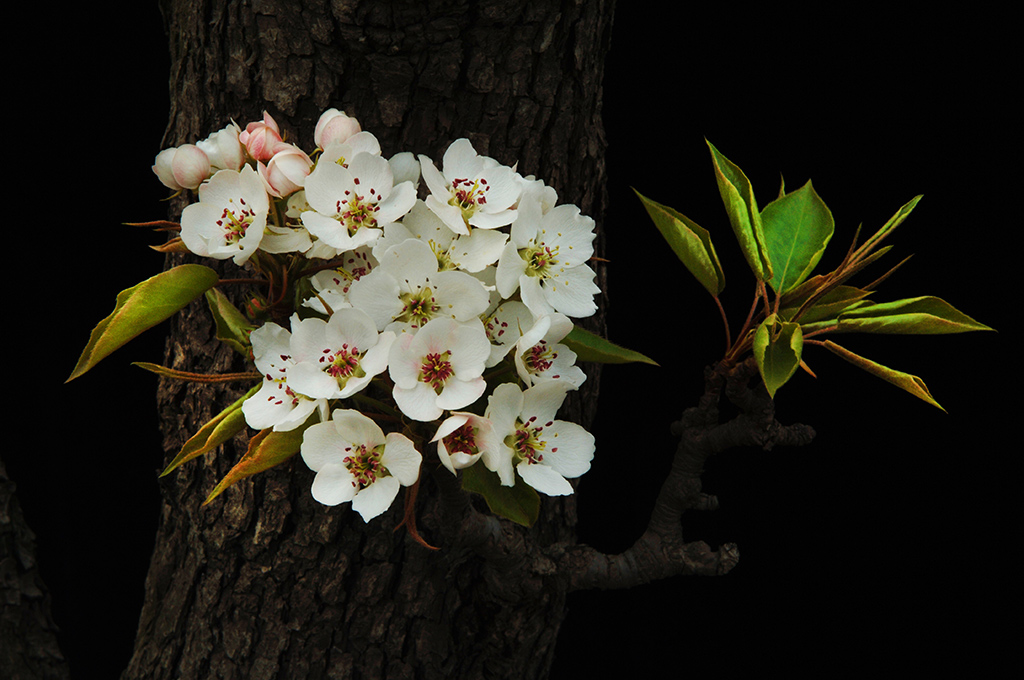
{"x":264,"y":582}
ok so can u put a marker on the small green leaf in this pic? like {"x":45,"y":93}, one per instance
{"x":221,"y":428}
{"x":519,"y":503}
{"x":233,"y":327}
{"x":745,"y":218}
{"x":142,"y":307}
{"x":828,"y":307}
{"x":905,"y":381}
{"x":591,"y":347}
{"x":891,"y":224}
{"x":912,"y":316}
{"x":777,"y":349}
{"x":266,"y":450}
{"x":690,"y":242}
{"x":797,"y":228}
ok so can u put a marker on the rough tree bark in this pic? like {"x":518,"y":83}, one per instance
{"x":266,"y":583}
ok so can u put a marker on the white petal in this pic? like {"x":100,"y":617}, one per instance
{"x":544,"y":479}
{"x":376,"y":498}
{"x":460,"y":393}
{"x":570,"y":448}
{"x":356,"y":428}
{"x":333,"y":485}
{"x":401,"y":458}
{"x":418,"y":402}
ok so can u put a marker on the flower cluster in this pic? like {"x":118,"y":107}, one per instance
{"x":432,"y":301}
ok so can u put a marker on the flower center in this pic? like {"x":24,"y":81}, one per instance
{"x":234,"y":222}
{"x":539,"y":259}
{"x":418,"y":308}
{"x":468,"y":194}
{"x":526,"y":442}
{"x":444,"y":258}
{"x":355,"y":211}
{"x":342,"y":364}
{"x":365,"y":465}
{"x":463,"y":440}
{"x":539,"y":357}
{"x":436,"y":369}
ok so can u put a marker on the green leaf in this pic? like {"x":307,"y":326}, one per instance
{"x":891,"y":224}
{"x":905,"y":381}
{"x":797,"y":228}
{"x":591,"y":347}
{"x":519,"y":503}
{"x":221,"y":428}
{"x":912,"y":316}
{"x":777,"y":349}
{"x":828,"y":307}
{"x":142,"y":307}
{"x":233,"y":327}
{"x":738,"y":197}
{"x":690,"y":242}
{"x":266,"y":450}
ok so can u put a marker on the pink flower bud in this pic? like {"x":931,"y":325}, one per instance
{"x":182,"y":167}
{"x":334,"y":126}
{"x":286,"y":171}
{"x":260,"y":138}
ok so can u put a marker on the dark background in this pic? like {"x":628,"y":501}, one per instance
{"x":886,"y":542}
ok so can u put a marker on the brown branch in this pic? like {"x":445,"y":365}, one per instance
{"x":661,"y":552}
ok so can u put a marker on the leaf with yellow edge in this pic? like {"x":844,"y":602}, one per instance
{"x":266,"y":450}
{"x":143,"y":306}
{"x":905,"y":381}
{"x":778,"y":348}
{"x":221,"y":428}
{"x":690,"y":242}
{"x":744,"y":216}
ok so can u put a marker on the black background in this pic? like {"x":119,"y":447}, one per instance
{"x":886,"y":543}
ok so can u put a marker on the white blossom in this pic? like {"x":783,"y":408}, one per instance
{"x":355,"y":461}
{"x":406,"y":290}
{"x":546,"y":260}
{"x":336,"y":358}
{"x":439,"y":367}
{"x":539,"y":356}
{"x":463,"y":438}
{"x":229,"y":219}
{"x":470,"y":190}
{"x":276,"y":404}
{"x":351,"y":205}
{"x":544,"y":452}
